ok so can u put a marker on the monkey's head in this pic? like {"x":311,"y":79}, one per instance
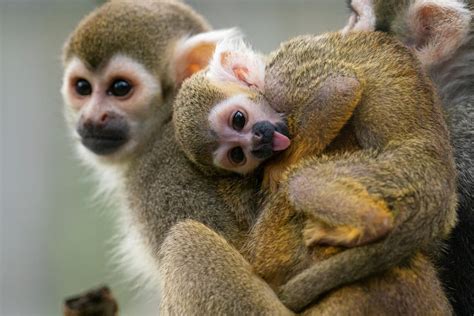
{"x":222,"y":120}
{"x":123,"y":64}
{"x":434,"y":29}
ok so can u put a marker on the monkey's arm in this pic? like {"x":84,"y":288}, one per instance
{"x":202,"y":273}
{"x":316,"y":121}
{"x":356,"y":218}
{"x":327,"y":110}
{"x":415,"y":178}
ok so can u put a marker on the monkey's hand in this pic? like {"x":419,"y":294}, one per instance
{"x":318,"y":233}
{"x":340,"y":212}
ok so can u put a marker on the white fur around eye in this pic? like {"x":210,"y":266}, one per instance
{"x":74,"y":69}
{"x":130,"y":69}
{"x":216,"y":112}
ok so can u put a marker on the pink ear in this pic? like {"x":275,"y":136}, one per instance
{"x":439,"y":28}
{"x":242,"y":74}
{"x":234,"y":62}
{"x":194,"y":53}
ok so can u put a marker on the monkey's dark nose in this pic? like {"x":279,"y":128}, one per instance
{"x":262,"y":132}
{"x":105,"y":134}
{"x":262,"y":139}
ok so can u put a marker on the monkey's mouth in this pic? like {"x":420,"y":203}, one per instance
{"x":103,"y":141}
{"x":281,"y":140}
{"x":103,"y":146}
{"x":275,"y":139}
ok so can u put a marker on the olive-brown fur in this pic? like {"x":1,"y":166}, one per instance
{"x":394,"y":149}
{"x":161,"y":187}
{"x":454,"y":78}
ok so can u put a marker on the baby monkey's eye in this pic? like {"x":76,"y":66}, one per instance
{"x":237,"y":156}
{"x":238,"y":121}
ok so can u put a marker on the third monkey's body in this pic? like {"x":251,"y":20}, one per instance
{"x":455,"y":80}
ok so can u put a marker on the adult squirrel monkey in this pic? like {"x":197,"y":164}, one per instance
{"x":123,"y":66}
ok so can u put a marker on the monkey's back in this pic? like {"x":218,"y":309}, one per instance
{"x":394,"y":83}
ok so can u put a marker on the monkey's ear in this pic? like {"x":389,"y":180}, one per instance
{"x":234,"y":61}
{"x":194,"y":53}
{"x":362,"y":17}
{"x":438,"y":27}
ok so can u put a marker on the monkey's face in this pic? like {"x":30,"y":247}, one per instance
{"x":110,"y":109}
{"x":248,"y":131}
{"x":222,"y":121}
{"x":118,"y":62}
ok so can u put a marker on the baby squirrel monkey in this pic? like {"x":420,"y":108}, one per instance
{"x":367,"y":128}
{"x":241,"y":129}
{"x":237,"y":128}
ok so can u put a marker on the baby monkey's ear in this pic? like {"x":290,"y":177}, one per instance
{"x":439,"y":28}
{"x":194,"y":53}
{"x":235,"y":62}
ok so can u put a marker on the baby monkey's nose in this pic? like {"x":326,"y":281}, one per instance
{"x":262,"y":140}
{"x":262,"y":133}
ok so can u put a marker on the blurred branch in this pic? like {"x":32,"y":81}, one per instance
{"x":96,"y":302}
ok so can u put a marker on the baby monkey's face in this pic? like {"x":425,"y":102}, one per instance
{"x":222,"y":120}
{"x":248,"y":132}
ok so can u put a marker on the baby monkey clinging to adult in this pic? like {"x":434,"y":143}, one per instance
{"x":236,"y":129}
{"x":233,"y":127}
{"x":369,"y":154}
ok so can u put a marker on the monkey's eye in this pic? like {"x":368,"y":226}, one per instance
{"x":237,"y":156}
{"x":120,"y":88}
{"x":238,"y":121}
{"x":83,"y":87}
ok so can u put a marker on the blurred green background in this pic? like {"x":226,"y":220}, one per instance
{"x":54,"y":238}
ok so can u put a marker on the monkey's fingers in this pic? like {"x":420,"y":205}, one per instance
{"x":317,"y":233}
{"x":352,"y":215}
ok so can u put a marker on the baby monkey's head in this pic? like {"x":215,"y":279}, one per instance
{"x":222,"y":120}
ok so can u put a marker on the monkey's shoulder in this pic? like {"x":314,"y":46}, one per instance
{"x":164,"y":186}
{"x":357,"y":49}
